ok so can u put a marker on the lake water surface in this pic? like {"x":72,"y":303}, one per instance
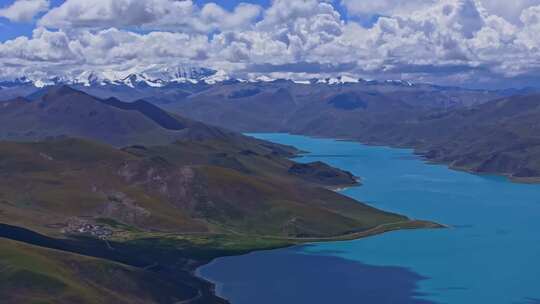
{"x":491,"y":256}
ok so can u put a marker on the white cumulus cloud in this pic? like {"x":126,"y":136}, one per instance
{"x":509,"y":9}
{"x":148,"y":14}
{"x":24,"y":10}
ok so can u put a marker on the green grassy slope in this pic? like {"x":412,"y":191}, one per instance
{"x":186,"y":187}
{"x":31,"y":274}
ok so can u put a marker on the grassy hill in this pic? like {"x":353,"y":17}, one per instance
{"x":193,"y":186}
{"x":32,"y":274}
{"x":63,"y":111}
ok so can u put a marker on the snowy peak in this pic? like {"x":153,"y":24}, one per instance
{"x":182,"y":74}
{"x":400,"y":83}
{"x":91,"y":78}
{"x":157,"y":77}
{"x":337,"y":80}
{"x":137,"y":80}
{"x":153,"y":77}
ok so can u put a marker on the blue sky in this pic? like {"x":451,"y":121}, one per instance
{"x":10,"y":30}
{"x":474,"y":43}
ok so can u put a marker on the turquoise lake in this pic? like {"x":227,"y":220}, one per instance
{"x":490,"y":255}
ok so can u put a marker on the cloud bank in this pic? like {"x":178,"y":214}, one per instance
{"x":460,"y":42}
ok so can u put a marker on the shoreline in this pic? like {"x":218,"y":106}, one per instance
{"x":410,"y":224}
{"x":451,"y":166}
{"x":492,"y":179}
{"x":381,"y":229}
{"x":340,"y":188}
{"x":416,"y":151}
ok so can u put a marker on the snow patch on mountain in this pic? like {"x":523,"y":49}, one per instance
{"x":158,"y":76}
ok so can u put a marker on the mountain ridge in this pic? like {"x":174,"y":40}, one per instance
{"x":64,"y":111}
{"x":492,"y":135}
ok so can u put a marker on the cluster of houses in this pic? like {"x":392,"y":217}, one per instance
{"x":83,"y":227}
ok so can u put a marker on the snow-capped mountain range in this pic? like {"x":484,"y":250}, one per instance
{"x":161,"y":77}
{"x":149,"y":77}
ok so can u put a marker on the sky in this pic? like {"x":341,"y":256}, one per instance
{"x":469,"y":43}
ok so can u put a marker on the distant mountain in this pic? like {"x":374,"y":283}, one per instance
{"x":169,"y":85}
{"x":15,"y":83}
{"x":372,"y":111}
{"x":481,"y":131}
{"x":152,"y":77}
{"x":318,"y":107}
{"x":62,"y":111}
{"x":16,"y":88}
{"x":498,"y":137}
